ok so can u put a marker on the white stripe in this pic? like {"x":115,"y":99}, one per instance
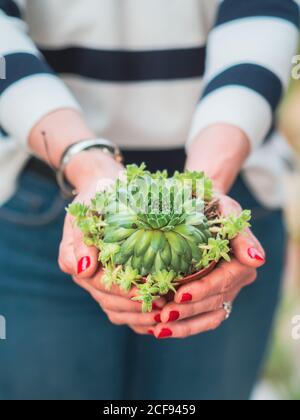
{"x":110,"y":24}
{"x":234,"y":105}
{"x":269,"y":42}
{"x":143,"y":115}
{"x":29,"y":100}
{"x":13,"y":38}
{"x":266,"y":170}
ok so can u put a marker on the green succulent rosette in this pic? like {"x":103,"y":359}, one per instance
{"x":152,"y":230}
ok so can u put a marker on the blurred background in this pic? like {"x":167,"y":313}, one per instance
{"x":281,"y":376}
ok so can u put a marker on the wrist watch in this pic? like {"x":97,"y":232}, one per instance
{"x":104,"y":145}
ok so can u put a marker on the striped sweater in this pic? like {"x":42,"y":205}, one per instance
{"x":149,"y":74}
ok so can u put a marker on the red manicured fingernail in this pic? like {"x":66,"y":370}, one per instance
{"x":83,"y":264}
{"x":165,"y":333}
{"x":155,"y":307}
{"x":174,"y":315}
{"x":151,"y":332}
{"x":157,"y":318}
{"x":187,"y":297}
{"x":255,"y":254}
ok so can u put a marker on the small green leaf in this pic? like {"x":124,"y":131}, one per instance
{"x":134,"y":172}
{"x":234,"y":225}
{"x":164,"y":281}
{"x":128,"y":278}
{"x":78,"y":210}
{"x":107,"y":252}
{"x":212,"y":252}
{"x":110,"y":276}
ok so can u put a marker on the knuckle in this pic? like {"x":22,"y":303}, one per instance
{"x":235,"y":205}
{"x":138,"y":331}
{"x":229,"y":280}
{"x":105,"y":311}
{"x":214,"y":324}
{"x":134,"y":329}
{"x":191,"y":288}
{"x":191,"y":312}
{"x":110,"y":306}
{"x":98,"y":298}
{"x":62,"y":265}
{"x":186,"y":332}
{"x":115,"y":320}
{"x":219,"y":302}
{"x":104,"y":299}
{"x":110,"y":317}
{"x":252,"y":278}
{"x":146,"y":320}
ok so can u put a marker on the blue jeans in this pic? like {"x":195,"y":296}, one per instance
{"x":60,"y":344}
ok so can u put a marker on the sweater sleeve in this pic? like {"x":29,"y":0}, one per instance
{"x":29,"y":89}
{"x":249,"y":55}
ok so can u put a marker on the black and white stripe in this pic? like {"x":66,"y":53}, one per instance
{"x":21,"y":66}
{"x":30,"y":90}
{"x":147,"y":74}
{"x":251,"y":76}
{"x":248,"y":65}
{"x":231,"y":10}
{"x":10,"y":8}
{"x":128,"y":66}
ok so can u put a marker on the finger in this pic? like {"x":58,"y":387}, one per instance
{"x":228,"y":206}
{"x":86,"y":256}
{"x":109,"y":300}
{"x":225,"y":277}
{"x":139,"y":319}
{"x":192,"y":326}
{"x":66,"y":258}
{"x":248,"y":250}
{"x":246,"y":247}
{"x":141,"y":330}
{"x":113,"y":303}
{"x":174,"y":312}
{"x":95,"y":283}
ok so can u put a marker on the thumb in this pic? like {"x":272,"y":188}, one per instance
{"x":86,"y":257}
{"x":246,"y":247}
{"x":248,"y":250}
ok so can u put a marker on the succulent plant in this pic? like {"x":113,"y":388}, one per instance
{"x":152,"y":230}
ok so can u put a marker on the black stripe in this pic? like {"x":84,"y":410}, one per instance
{"x":273,"y":129}
{"x":10,"y":8}
{"x":252,"y":76}
{"x":20,"y":66}
{"x":236,"y":9}
{"x":3,"y":133}
{"x":128,"y":66}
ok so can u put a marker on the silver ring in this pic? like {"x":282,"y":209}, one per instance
{"x":228,"y":307}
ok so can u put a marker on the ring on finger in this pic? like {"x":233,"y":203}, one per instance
{"x":228,"y":307}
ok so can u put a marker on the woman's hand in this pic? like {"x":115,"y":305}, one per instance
{"x":81,"y":261}
{"x":219,"y":151}
{"x":198,"y":306}
{"x":87,"y":171}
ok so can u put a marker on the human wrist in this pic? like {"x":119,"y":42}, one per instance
{"x":91,"y":166}
{"x":55,"y":132}
{"x":220,"y":151}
